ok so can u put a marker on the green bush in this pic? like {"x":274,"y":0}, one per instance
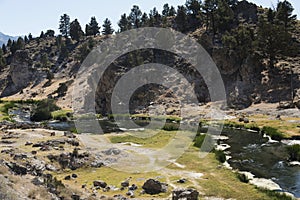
{"x":171,"y":127}
{"x":220,"y":156}
{"x":7,"y":105}
{"x":294,"y":152}
{"x":273,"y":133}
{"x":42,"y":110}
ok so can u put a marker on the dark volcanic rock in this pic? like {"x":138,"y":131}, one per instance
{"x":101,"y":184}
{"x":152,"y":186}
{"x":186,"y":194}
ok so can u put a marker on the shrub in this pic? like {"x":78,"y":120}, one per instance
{"x":294,"y":152}
{"x":171,"y":127}
{"x":220,"y":156}
{"x":273,"y":133}
{"x":199,"y":140}
{"x":42,"y":110}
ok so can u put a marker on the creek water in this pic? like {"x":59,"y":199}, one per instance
{"x":249,"y":151}
{"x":254,"y":153}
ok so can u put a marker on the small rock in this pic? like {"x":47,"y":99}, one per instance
{"x":68,"y":177}
{"x":74,"y":176}
{"x":133,"y":187}
{"x":125,"y":184}
{"x":187,"y":194}
{"x":182,"y":180}
{"x":28,"y":143}
{"x":75,"y":197}
{"x":100,"y":183}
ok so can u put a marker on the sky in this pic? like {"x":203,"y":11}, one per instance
{"x":20,"y":18}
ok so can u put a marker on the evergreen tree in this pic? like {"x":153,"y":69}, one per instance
{"x":17,"y":45}
{"x":50,"y":33}
{"x":42,"y":35}
{"x":181,"y":19}
{"x":154,"y":18}
{"x":135,"y":16}
{"x":2,"y":59}
{"x":64,"y":25}
{"x":240,"y":41}
{"x":30,"y":36}
{"x":172,"y":12}
{"x":224,"y":15}
{"x":124,"y":23}
{"x":166,"y":10}
{"x":193,"y":7}
{"x":4,"y":49}
{"x":107,"y":28}
{"x":210,"y":7}
{"x":9,"y":43}
{"x":92,"y":28}
{"x":75,"y":30}
{"x":285,"y":15}
{"x":26,"y":40}
{"x":145,"y":20}
{"x":273,"y":39}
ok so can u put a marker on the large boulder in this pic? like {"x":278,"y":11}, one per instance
{"x":152,"y":186}
{"x":185,"y":194}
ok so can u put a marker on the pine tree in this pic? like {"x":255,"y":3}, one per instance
{"x":224,"y":15}
{"x":75,"y":30}
{"x":64,"y":25}
{"x":166,"y":10}
{"x":124,"y":23}
{"x":50,"y":33}
{"x":284,"y":14}
{"x":9,"y":43}
{"x":2,"y":59}
{"x":92,"y":28}
{"x":135,"y":16}
{"x":30,"y":36}
{"x":26,"y":39}
{"x":210,"y":7}
{"x":273,"y":39}
{"x":4,"y":49}
{"x":193,"y":7}
{"x":17,"y":45}
{"x":107,"y":28}
{"x":240,"y":41}
{"x":154,"y":18}
{"x":144,"y":20}
{"x":172,"y":12}
{"x":181,"y":19}
{"x":42,"y":35}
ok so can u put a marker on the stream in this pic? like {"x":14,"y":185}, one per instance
{"x":249,"y":151}
{"x":254,"y":153}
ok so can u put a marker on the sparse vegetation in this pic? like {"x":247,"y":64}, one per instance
{"x":294,"y":152}
{"x":220,"y":156}
{"x":273,"y":133}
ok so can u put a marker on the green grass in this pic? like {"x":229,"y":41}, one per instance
{"x":111,"y":177}
{"x":273,"y":133}
{"x":61,"y":114}
{"x":159,"y":139}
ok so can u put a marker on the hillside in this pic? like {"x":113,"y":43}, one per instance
{"x":46,"y":67}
